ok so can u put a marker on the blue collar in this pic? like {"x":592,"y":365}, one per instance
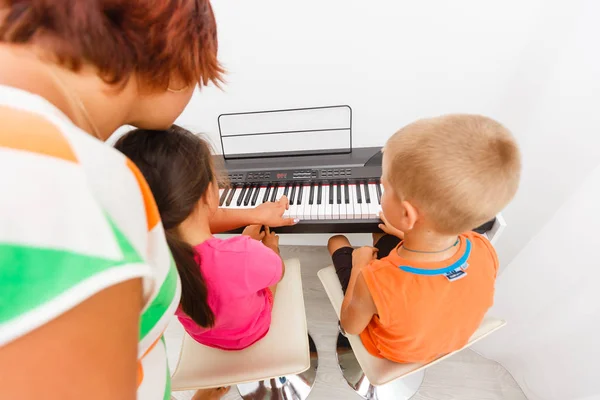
{"x":459,"y":263}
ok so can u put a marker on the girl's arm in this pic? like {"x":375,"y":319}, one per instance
{"x":89,"y":352}
{"x":268,"y":214}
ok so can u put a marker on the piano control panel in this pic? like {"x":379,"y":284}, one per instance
{"x":300,"y":175}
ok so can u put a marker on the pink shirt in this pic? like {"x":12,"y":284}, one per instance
{"x":237,"y":272}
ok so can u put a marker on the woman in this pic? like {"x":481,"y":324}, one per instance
{"x":87,"y":285}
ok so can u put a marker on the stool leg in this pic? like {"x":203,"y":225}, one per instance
{"x":289,"y":387}
{"x":400,"y":389}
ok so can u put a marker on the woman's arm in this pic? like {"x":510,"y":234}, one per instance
{"x":269,"y":214}
{"x":89,"y":352}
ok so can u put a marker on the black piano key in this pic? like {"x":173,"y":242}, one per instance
{"x":293,"y":195}
{"x":346,"y":193}
{"x":223,"y":196}
{"x":367,"y":195}
{"x":274,"y":193}
{"x":358,"y":193}
{"x":242,"y":193}
{"x":378,"y":188}
{"x":286,"y":190}
{"x":311,"y":195}
{"x":249,"y":195}
{"x":331,"y":195}
{"x":319,"y":193}
{"x":230,"y":197}
{"x":338,"y":189}
{"x":266,"y":196}
{"x":300,"y":194}
{"x":255,"y":197}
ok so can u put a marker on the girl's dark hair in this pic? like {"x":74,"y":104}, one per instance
{"x":178,"y":168}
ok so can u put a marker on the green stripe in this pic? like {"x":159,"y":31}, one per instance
{"x":167,"y":395}
{"x":33,"y":276}
{"x":161,"y":302}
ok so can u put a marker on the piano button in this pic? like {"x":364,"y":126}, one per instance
{"x":248,"y":196}
{"x":367,"y":193}
{"x":358,"y":193}
{"x":256,"y":195}
{"x":266,"y":195}
{"x":331,"y":195}
{"x":223,"y":196}
{"x":311,"y":195}
{"x":320,"y":193}
{"x":300,"y":198}
{"x":274,"y":193}
{"x":346,"y":193}
{"x":378,"y":189}
{"x":230,"y":197}
{"x":293,"y":195}
{"x":338,"y":192}
{"x":241,"y":196}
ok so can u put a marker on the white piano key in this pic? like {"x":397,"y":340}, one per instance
{"x":336,"y":206}
{"x":352,"y":205}
{"x":280,"y":191}
{"x":307,"y":207}
{"x":321,"y":207}
{"x":261,"y":194}
{"x":314,"y":208}
{"x":328,"y":213}
{"x":343,"y":205}
{"x":373,"y":205}
{"x":363,"y":208}
{"x":293,"y":210}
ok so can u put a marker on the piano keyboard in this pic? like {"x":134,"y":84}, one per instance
{"x":312,"y":201}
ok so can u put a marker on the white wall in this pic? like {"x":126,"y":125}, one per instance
{"x":534,"y":65}
{"x":549,"y":295}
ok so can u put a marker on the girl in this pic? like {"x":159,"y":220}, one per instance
{"x":227,"y":285}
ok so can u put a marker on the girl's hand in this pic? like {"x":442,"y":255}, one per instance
{"x":388,"y":228}
{"x":271,"y":213}
{"x":254,"y":232}
{"x":271,"y":240}
{"x":362,"y":256}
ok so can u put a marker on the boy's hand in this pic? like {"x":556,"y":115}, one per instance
{"x":388,"y":228}
{"x":254,"y":232}
{"x":271,"y":240}
{"x":271,"y":213}
{"x":363,"y":256}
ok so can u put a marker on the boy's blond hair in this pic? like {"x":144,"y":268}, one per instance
{"x":458,"y":170}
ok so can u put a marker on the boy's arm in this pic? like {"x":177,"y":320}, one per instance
{"x":270,"y":214}
{"x":358,"y":307}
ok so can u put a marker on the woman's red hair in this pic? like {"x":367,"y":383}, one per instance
{"x":155,"y":39}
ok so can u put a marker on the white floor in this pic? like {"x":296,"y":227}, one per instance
{"x":465,"y":376}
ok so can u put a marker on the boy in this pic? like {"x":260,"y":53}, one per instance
{"x":425,"y":287}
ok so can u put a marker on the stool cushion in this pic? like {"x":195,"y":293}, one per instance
{"x":283,"y":351}
{"x":380,"y":371}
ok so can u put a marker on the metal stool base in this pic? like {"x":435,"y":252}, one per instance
{"x":289,"y":387}
{"x":400,"y":389}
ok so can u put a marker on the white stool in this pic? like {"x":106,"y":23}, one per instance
{"x":281,"y":361}
{"x":376,"y":378}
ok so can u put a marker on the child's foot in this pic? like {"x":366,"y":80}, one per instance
{"x":210,"y":394}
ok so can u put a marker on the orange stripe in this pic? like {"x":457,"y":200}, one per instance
{"x":152,"y":215}
{"x":30,"y":132}
{"x":140,"y":368}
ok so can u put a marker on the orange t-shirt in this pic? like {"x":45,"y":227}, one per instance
{"x":421,"y":317}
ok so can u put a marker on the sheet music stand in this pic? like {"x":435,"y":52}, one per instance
{"x":289,"y":132}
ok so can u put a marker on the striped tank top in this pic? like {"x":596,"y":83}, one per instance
{"x":77,"y":217}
